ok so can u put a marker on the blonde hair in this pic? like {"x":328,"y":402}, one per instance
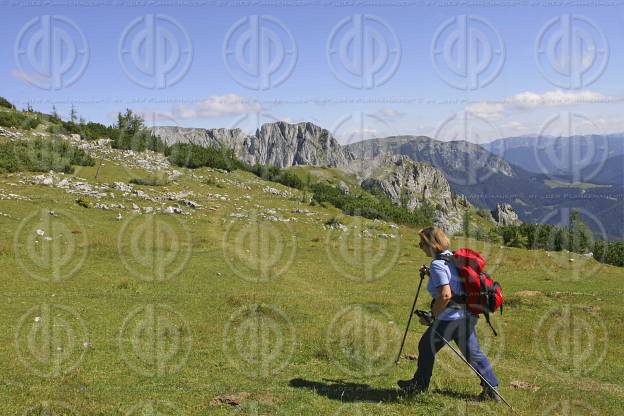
{"x":435,"y":238}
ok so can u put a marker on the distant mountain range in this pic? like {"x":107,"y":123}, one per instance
{"x":576,"y":158}
{"x":538,"y":191}
{"x":525,"y":172}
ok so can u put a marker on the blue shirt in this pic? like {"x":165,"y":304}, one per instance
{"x":444,"y":273}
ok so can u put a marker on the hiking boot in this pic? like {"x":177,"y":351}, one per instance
{"x":489,"y":394}
{"x":410,"y":387}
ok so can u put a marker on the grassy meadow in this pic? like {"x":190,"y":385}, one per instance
{"x":233,"y":310}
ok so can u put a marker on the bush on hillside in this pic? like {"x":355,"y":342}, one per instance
{"x":275,"y":174}
{"x":18,"y":120}
{"x":41,"y":155}
{"x":193,"y":156}
{"x":6,"y":104}
{"x":150,"y":181}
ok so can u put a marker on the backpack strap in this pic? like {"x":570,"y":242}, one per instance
{"x":457,"y":301}
{"x":487,"y":319}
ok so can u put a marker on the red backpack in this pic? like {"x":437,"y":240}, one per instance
{"x":483,"y":295}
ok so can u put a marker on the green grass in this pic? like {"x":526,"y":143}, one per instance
{"x":551,"y":183}
{"x":336,"y":323}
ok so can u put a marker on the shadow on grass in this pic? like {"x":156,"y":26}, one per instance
{"x":347,"y":392}
{"x":456,"y":395}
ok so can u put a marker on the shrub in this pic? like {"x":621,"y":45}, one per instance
{"x":275,"y":174}
{"x":193,"y":156}
{"x":41,"y":155}
{"x":150,"y":181}
{"x":83,"y":203}
{"x":6,"y":104}
{"x":333,"y":222}
{"x":18,"y":120}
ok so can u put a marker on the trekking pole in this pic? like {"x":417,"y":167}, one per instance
{"x":423,"y":271}
{"x":472,"y":368}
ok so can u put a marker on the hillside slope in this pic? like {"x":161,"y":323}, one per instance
{"x":221,"y":293}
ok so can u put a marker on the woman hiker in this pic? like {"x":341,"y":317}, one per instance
{"x":451,"y":320}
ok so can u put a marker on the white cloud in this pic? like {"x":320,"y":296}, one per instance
{"x":526,"y":101}
{"x":217,"y":106}
{"x":388,"y":113}
{"x":212,"y":107}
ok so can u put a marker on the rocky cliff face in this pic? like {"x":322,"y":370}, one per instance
{"x":504,"y":214}
{"x":403,"y":180}
{"x":280,"y":144}
{"x":413,"y":184}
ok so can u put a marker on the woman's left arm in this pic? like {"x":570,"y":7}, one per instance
{"x":442,"y":301}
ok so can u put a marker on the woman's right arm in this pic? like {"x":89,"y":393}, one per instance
{"x":442,"y":301}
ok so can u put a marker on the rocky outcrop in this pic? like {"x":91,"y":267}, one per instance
{"x":504,"y":214}
{"x":453,"y":158}
{"x":279,"y":144}
{"x":413,"y":184}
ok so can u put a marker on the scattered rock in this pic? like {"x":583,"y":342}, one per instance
{"x":39,"y":232}
{"x":175,"y":175}
{"x":191,"y":204}
{"x":121,"y":186}
{"x":523,"y":385}
{"x":172,"y":210}
{"x":344,"y":188}
{"x":337,"y":226}
{"x":274,"y":191}
{"x":230,"y":399}
{"x":504,"y":214}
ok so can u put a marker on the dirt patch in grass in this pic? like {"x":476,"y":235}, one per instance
{"x":230,"y":399}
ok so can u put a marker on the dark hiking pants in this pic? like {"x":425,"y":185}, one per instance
{"x":462,"y":331}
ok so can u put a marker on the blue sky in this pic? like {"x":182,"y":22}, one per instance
{"x":413,"y":100}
